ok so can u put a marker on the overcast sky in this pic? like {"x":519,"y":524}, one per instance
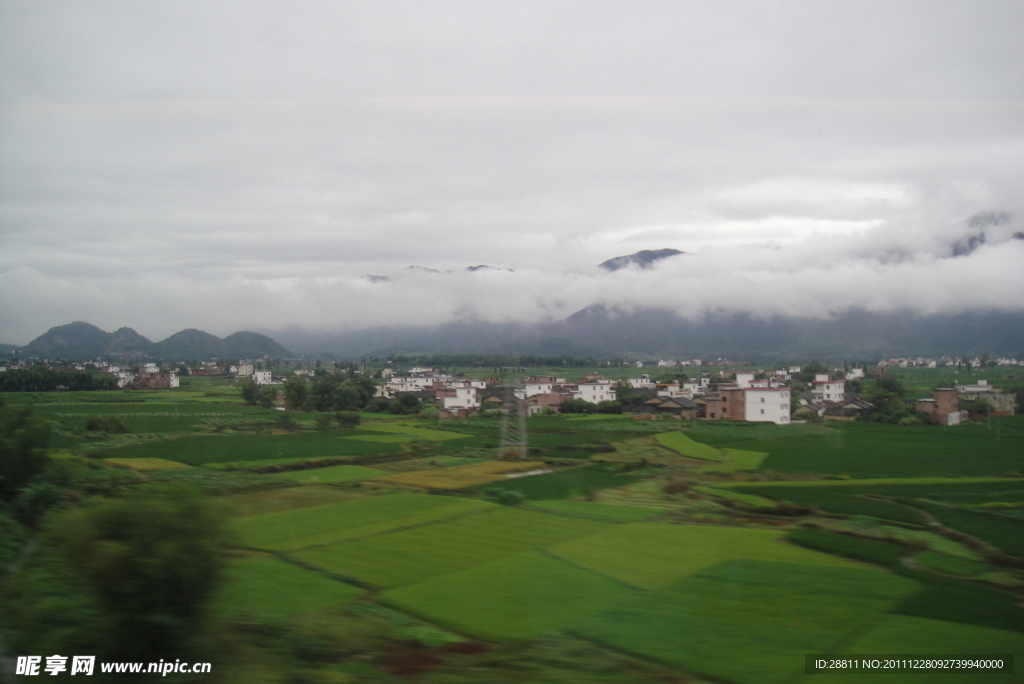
{"x":245,"y":165}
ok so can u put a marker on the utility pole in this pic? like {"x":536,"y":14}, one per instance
{"x":514,"y":439}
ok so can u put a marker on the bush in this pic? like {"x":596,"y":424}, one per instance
{"x":284,"y":421}
{"x":323,"y":421}
{"x":347,"y":419}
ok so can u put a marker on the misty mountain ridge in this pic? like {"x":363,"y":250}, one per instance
{"x":84,"y":341}
{"x":602,"y":331}
{"x":645,"y":258}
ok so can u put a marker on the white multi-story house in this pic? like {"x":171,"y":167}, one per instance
{"x":595,"y":392}
{"x":829,"y":390}
{"x":643,"y":382}
{"x":459,"y":398}
{"x":764,"y":404}
{"x":744,"y":378}
{"x":124,"y":378}
{"x":245,"y":369}
{"x":855,"y":374}
{"x":262,"y":377}
{"x":535,"y":388}
{"x":173,"y":380}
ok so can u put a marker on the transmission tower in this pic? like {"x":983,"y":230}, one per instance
{"x":514,"y":441}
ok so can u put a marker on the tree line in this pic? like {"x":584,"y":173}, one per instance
{"x":43,"y":379}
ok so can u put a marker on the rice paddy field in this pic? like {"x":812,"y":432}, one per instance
{"x":627,"y":551}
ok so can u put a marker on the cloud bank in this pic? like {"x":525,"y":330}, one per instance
{"x":237,"y":165}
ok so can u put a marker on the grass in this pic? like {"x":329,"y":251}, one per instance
{"x":333,"y":522}
{"x":563,"y":484}
{"x":200,"y":450}
{"x":277,"y":500}
{"x":953,"y":565}
{"x":457,"y":477}
{"x":1001,"y":531}
{"x":869,"y":450}
{"x":732,"y":495}
{"x":839,"y":501}
{"x":857,"y":548}
{"x":271,"y":587}
{"x":339,"y":473}
{"x":144,"y":463}
{"x":904,"y":634}
{"x":407,"y":556}
{"x":685,"y":446}
{"x":519,"y":597}
{"x":748,"y":621}
{"x":413,"y":432}
{"x":651,"y":555}
{"x":598,"y":511}
{"x":736,"y":460}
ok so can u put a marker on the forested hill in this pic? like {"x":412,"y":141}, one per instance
{"x":84,"y":341}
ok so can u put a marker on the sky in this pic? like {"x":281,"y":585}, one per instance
{"x":247,"y":165}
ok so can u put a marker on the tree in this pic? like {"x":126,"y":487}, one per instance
{"x":295,"y":392}
{"x":154,"y":560}
{"x":24,"y":439}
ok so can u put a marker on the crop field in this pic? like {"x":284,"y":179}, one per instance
{"x":522,"y":596}
{"x":327,"y":523}
{"x":921,"y":635}
{"x":457,"y":477}
{"x":412,"y":431}
{"x":883,"y":452}
{"x":284,"y":499}
{"x":144,"y":463}
{"x":412,"y":555}
{"x":685,"y":446}
{"x":272,"y":587}
{"x":743,"y":621}
{"x":562,"y":484}
{"x":339,"y":473}
{"x":1001,"y":531}
{"x":651,"y":556}
{"x":205,"y":449}
{"x":598,"y":511}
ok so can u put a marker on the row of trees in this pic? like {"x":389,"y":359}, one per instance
{"x":44,"y":379}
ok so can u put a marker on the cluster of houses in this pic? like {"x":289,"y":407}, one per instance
{"x":921,"y":362}
{"x":741,"y":397}
{"x":149,"y":376}
{"x":943,"y":407}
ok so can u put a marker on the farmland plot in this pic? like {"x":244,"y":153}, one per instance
{"x":650,"y":556}
{"x":406,"y":556}
{"x":338,"y":473}
{"x":457,"y":477}
{"x":327,"y":523}
{"x":275,"y":588}
{"x":517,"y":597}
{"x":749,"y":621}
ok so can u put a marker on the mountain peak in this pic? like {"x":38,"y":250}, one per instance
{"x":645,"y":258}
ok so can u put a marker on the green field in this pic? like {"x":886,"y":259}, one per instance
{"x":746,"y":621}
{"x":597,"y":511}
{"x":561,"y":484}
{"x":681,"y":444}
{"x":327,"y":523}
{"x":406,"y":556}
{"x":274,"y":588}
{"x":650,"y":556}
{"x":200,"y":450}
{"x":340,"y":473}
{"x":522,"y":596}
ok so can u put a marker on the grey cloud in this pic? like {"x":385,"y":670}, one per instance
{"x":236,"y":165}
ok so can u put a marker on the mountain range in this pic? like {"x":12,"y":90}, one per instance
{"x":603,"y":332}
{"x":84,"y":341}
